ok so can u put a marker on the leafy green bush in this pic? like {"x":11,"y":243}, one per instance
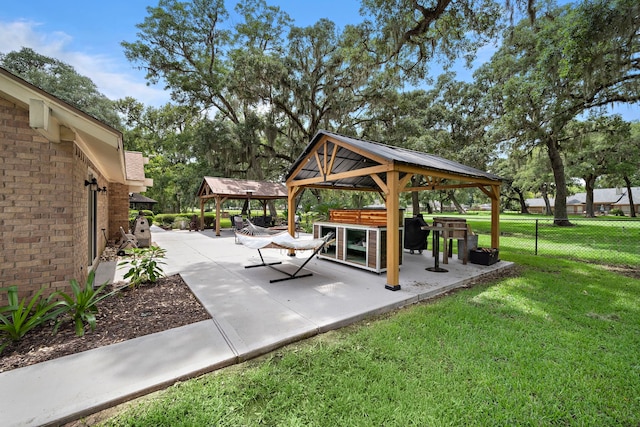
{"x":135,"y":212}
{"x":19,"y":317}
{"x":616,"y":212}
{"x":172,"y":220}
{"x":165,"y":220}
{"x":144,"y":266}
{"x":82,"y":304}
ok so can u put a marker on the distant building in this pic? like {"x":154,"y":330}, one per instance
{"x":604,"y":200}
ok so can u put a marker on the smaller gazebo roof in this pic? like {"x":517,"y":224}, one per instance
{"x":240,"y":189}
{"x":139,"y":198}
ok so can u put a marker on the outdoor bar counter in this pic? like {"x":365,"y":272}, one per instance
{"x":361,"y":238}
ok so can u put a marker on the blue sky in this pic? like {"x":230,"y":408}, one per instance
{"x":87,"y":35}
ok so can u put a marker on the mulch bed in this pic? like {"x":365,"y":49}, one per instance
{"x":130,"y":313}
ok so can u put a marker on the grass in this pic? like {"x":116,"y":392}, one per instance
{"x":610,"y":239}
{"x":556,"y":345}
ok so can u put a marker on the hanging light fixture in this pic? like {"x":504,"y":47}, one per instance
{"x":93,"y":184}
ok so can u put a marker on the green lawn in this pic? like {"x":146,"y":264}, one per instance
{"x":558,"y":344}
{"x":615,"y":240}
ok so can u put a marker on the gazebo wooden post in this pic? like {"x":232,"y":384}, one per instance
{"x":218,"y":204}
{"x":495,"y":216}
{"x":291,"y":213}
{"x":202,"y":213}
{"x":393,"y":236}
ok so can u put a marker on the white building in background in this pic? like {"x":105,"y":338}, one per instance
{"x":604,"y":200}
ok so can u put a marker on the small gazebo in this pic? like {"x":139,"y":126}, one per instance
{"x":138,"y":201}
{"x":223,"y":189}
{"x":333,"y":161}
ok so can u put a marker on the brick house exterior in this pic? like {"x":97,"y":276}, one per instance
{"x":55,"y":220}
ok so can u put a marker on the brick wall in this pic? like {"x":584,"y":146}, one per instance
{"x":44,"y":208}
{"x":118,"y":210}
{"x":36,"y":219}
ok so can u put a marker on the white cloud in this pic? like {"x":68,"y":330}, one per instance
{"x":115,"y":77}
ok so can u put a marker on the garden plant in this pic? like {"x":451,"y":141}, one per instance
{"x":144,"y":264}
{"x":21,"y":316}
{"x":82,"y":304}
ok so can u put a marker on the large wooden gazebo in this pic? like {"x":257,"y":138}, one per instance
{"x":333,"y":161}
{"x":223,"y":189}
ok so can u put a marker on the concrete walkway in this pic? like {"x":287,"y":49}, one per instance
{"x":250,"y":317}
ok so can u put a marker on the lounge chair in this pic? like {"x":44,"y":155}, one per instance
{"x":251,"y":238}
{"x":126,"y":241}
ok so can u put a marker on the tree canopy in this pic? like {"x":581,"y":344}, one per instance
{"x":543,"y":76}
{"x":62,"y":81}
{"x":250,"y":89}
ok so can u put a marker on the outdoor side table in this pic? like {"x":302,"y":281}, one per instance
{"x":446,"y":233}
{"x":436,"y":249}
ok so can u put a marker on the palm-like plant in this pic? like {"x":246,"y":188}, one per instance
{"x":19,"y":317}
{"x":82,"y":304}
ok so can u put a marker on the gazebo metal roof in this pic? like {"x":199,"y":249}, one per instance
{"x":342,"y":155}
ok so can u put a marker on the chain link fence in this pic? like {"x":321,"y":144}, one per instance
{"x":601,"y":240}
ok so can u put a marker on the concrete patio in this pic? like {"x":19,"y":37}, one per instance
{"x":250,"y":317}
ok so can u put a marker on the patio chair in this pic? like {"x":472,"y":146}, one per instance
{"x":193,"y":224}
{"x":126,"y":241}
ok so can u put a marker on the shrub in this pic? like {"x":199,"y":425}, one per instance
{"x":19,"y":317}
{"x":144,"y":266}
{"x":165,"y":220}
{"x":616,"y":212}
{"x":82,"y":304}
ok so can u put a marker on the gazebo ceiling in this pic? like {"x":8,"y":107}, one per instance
{"x":336,"y":161}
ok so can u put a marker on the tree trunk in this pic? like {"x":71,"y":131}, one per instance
{"x":455,"y":202}
{"x":178,"y":206}
{"x":415,"y":196}
{"x":271,"y":204}
{"x":316,"y":193}
{"x":632,"y":208}
{"x":545,"y":197}
{"x":523,"y":204}
{"x":590,"y":182}
{"x":560,"y":206}
{"x":442,"y":200}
